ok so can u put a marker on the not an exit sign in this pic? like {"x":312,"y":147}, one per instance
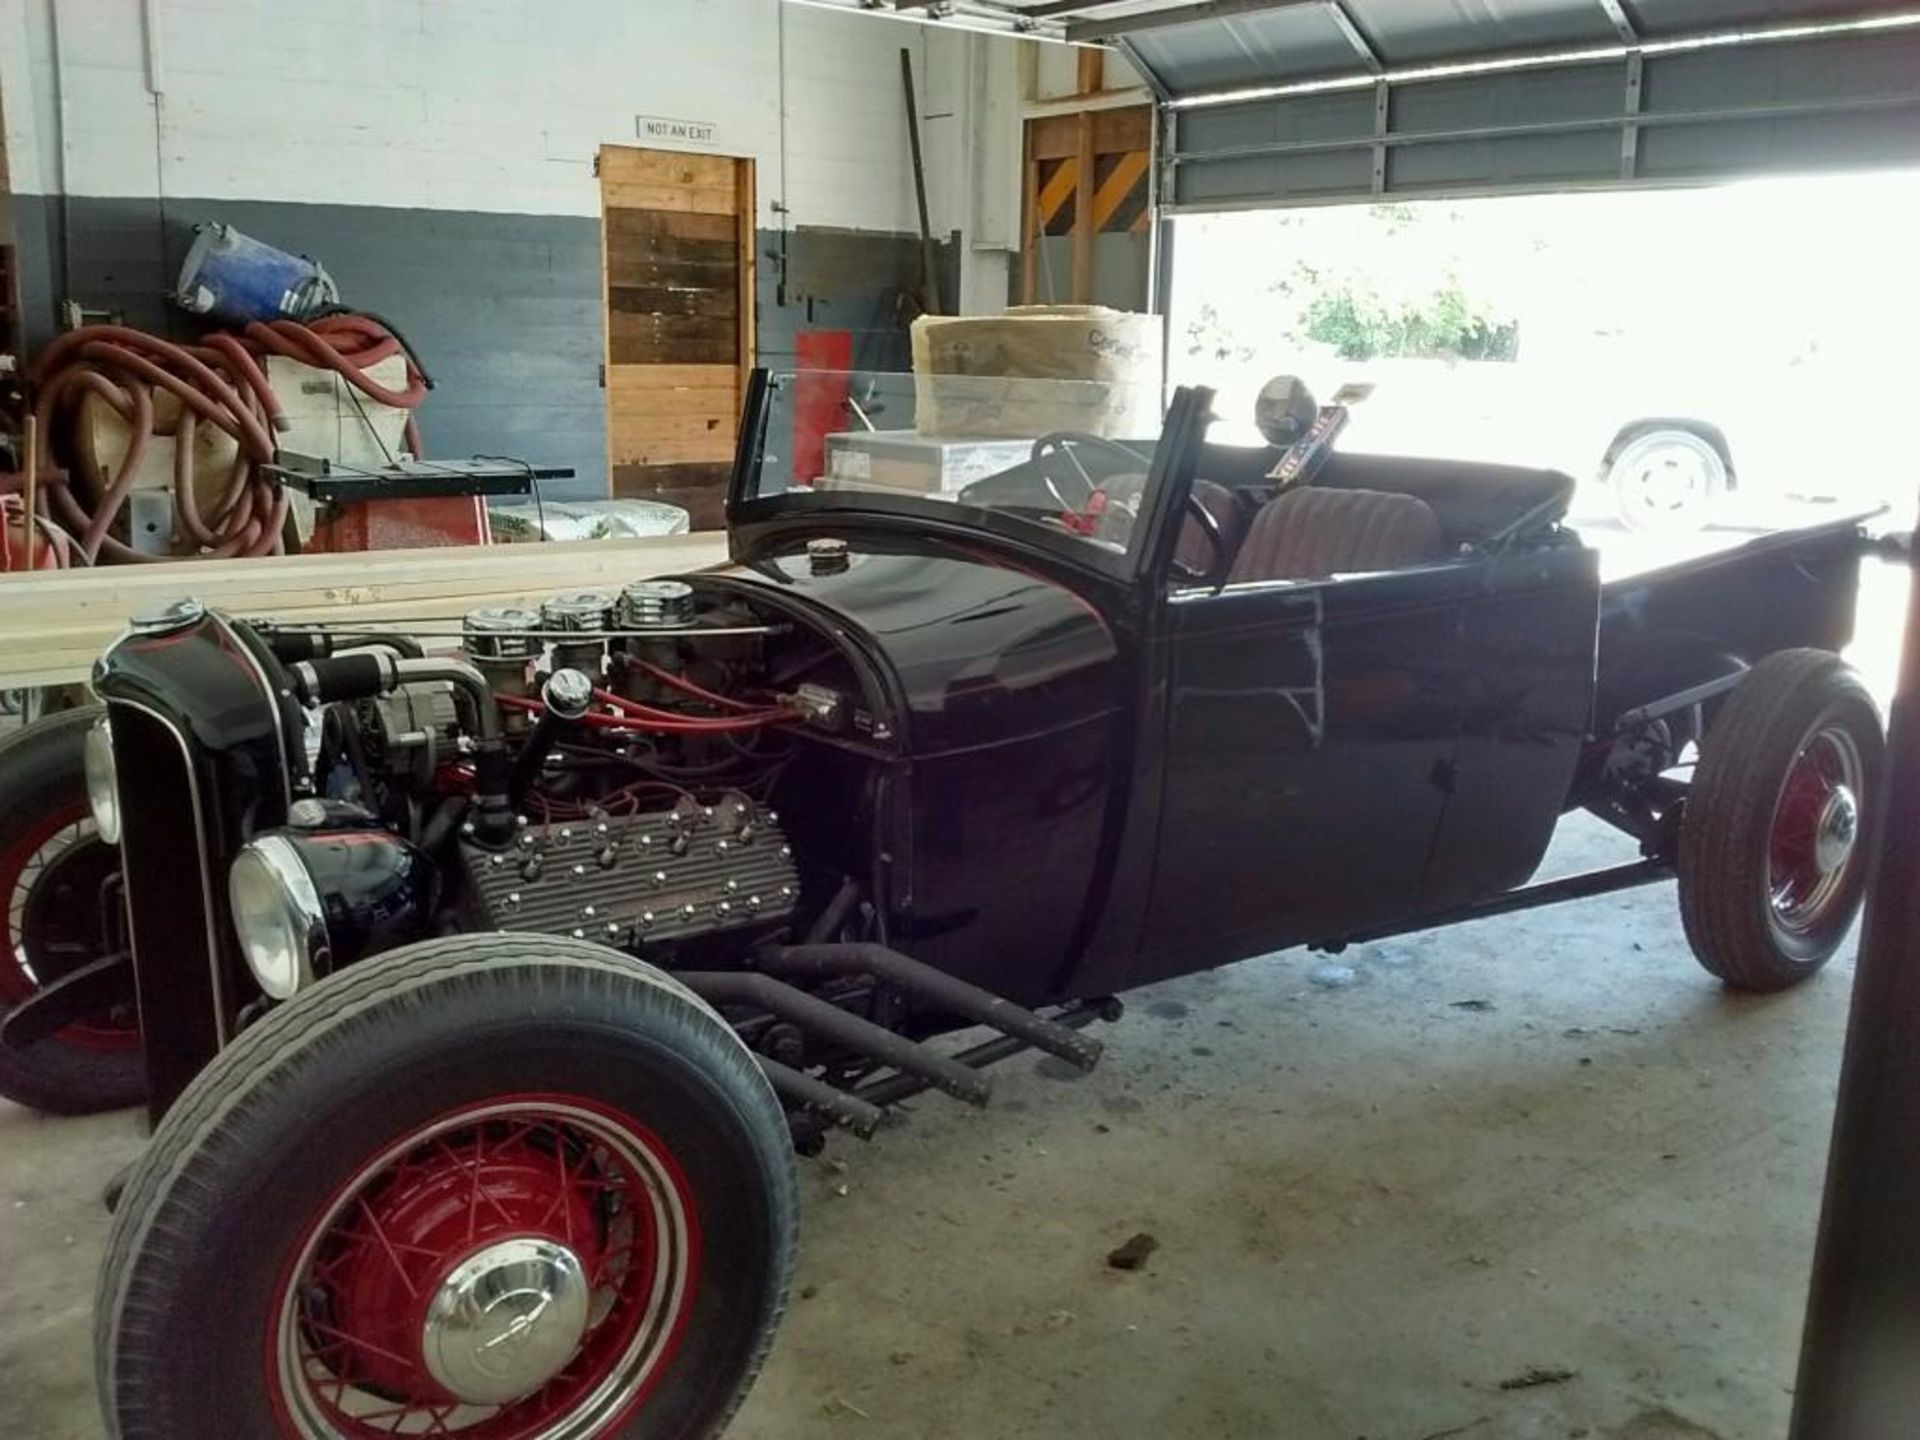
{"x":666,"y":130}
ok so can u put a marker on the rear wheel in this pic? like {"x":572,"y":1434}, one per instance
{"x":58,"y":882}
{"x":1773,"y":856}
{"x":491,"y":1187}
{"x":1666,"y":479}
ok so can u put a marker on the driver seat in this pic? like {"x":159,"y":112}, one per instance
{"x":1310,"y":534}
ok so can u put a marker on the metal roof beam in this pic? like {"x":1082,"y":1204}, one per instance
{"x":1186,"y":14}
{"x":999,"y":7}
{"x":1356,"y":37}
{"x":1050,"y":8}
{"x":994,"y":17}
{"x":1621,"y":21}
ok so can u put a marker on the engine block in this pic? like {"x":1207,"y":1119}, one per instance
{"x":634,"y":879}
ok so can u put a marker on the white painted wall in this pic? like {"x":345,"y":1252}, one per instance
{"x":490,"y":105}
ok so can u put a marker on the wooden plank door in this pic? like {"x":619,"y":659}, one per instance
{"x":678,"y":250}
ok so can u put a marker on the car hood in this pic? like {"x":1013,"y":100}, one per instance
{"x":981,"y":650}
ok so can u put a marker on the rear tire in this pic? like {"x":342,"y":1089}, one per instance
{"x":587,"y":1110}
{"x":1774,"y":840}
{"x":44,"y":818}
{"x":1666,"y":480}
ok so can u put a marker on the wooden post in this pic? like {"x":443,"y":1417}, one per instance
{"x":929,"y":267}
{"x":1084,"y":229}
{"x":749,"y":205}
{"x":1091,"y":66}
{"x":1030,"y":228}
{"x":30,"y":486}
{"x":1858,"y":1379}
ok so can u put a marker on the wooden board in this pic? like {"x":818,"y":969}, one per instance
{"x":672,"y":377}
{"x":681,"y":272}
{"x":639,"y":195}
{"x":674,"y":300}
{"x":54,"y":624}
{"x":627,"y":163}
{"x":667,"y":425}
{"x":678,"y":253}
{"x":665,"y":339}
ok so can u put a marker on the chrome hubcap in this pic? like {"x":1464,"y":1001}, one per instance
{"x":506,"y":1320}
{"x":1838,"y":830}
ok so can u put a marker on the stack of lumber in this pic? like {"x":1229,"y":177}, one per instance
{"x":55,"y":623}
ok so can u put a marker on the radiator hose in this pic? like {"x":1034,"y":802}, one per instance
{"x":219,"y":381}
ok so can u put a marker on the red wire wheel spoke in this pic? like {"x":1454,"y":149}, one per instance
{"x":23,"y":865}
{"x":1802,"y":881}
{"x":434,"y":1227}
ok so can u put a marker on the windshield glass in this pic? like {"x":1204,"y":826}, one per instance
{"x":1070,"y":458}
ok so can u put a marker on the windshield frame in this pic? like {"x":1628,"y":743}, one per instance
{"x":749,"y":513}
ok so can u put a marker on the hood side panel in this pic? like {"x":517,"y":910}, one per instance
{"x":982,"y":651}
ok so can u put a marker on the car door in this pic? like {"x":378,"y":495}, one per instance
{"x":1526,"y":704}
{"x":1310,"y":735}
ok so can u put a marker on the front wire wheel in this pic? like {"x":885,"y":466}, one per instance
{"x":349,"y":1227}
{"x":1816,"y":827}
{"x":59,"y":884}
{"x":519,"y":1268}
{"x":1774,"y":835}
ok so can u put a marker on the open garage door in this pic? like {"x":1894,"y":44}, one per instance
{"x":1587,"y":235}
{"x":1302,"y":103}
{"x":1294,"y":102}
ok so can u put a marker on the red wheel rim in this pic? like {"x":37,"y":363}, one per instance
{"x":1815,"y":832}
{"x":394,"y":1317}
{"x":21,"y":866}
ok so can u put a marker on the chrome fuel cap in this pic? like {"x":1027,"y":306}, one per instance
{"x":506,"y":1320}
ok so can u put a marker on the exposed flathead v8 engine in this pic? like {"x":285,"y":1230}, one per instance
{"x":600,"y":768}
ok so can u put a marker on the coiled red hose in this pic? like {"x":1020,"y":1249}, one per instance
{"x":219,"y":382}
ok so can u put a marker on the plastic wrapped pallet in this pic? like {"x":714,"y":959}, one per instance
{"x":973,"y":374}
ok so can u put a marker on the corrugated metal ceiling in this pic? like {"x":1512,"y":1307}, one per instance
{"x":1190,"y":47}
{"x":1227,"y":44}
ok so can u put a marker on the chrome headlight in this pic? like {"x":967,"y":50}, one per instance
{"x":278,"y":915}
{"x":102,"y":793}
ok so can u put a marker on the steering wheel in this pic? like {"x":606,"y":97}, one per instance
{"x":1216,"y":542}
{"x":1066,"y":441}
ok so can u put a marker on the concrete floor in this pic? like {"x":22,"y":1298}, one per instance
{"x":1374,"y":1204}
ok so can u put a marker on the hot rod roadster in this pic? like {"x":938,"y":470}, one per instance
{"x":482,"y":998}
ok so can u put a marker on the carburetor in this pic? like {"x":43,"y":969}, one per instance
{"x":499,"y":639}
{"x":653,"y":613}
{"x":587,"y":614}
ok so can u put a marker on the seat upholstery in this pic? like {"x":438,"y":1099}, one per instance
{"x":1309,"y":534}
{"x":1475,"y":502}
{"x":1195,"y":550}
